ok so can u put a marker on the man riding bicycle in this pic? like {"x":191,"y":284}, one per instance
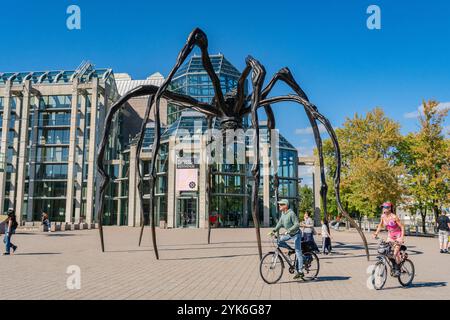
{"x":396,"y":232}
{"x":289,"y":221}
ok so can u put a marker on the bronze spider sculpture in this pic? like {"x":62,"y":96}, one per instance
{"x":230,"y":111}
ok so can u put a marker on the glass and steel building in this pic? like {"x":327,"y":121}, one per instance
{"x":49,"y":125}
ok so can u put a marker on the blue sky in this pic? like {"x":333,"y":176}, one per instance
{"x":342,"y":65}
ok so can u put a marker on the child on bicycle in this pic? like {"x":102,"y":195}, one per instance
{"x":396,"y":232}
{"x":289,"y":221}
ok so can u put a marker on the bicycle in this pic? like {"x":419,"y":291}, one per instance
{"x":272,"y":265}
{"x":386,"y":259}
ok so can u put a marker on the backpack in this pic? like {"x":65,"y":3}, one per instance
{"x":14,"y":225}
{"x":443,"y":223}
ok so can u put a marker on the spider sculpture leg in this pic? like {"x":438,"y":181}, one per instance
{"x":197,"y":38}
{"x":138,"y":156}
{"x":258,"y":75}
{"x":209,"y":182}
{"x":319,"y":117}
{"x":286,"y":76}
{"x":139,"y":91}
{"x":274,"y":152}
{"x":183,"y":100}
{"x":240,"y":110}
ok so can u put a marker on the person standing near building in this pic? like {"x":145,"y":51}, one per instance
{"x":46,"y":221}
{"x":326,"y":238}
{"x":10,"y":228}
{"x":308,"y":227}
{"x":289,"y":221}
{"x":443,"y":229}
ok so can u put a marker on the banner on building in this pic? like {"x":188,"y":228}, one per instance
{"x":187,"y":174}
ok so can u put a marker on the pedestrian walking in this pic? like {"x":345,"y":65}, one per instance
{"x":309,"y":231}
{"x":10,"y":229}
{"x":308,"y":227}
{"x":443,"y":229}
{"x":326,"y":238}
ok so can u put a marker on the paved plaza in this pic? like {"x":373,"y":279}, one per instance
{"x":190,"y":269}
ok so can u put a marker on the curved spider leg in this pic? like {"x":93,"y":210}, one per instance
{"x":208,"y":181}
{"x":258,"y":75}
{"x":155,"y":150}
{"x":197,"y":38}
{"x":239,"y":106}
{"x":136,"y":92}
{"x":274,"y":153}
{"x":240,"y":92}
{"x":138,"y":157}
{"x":337,"y":155}
{"x":285,"y":76}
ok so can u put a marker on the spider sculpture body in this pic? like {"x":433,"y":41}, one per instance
{"x":230,"y":110}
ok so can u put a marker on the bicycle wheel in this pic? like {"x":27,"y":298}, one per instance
{"x":271,"y":267}
{"x":407,"y":272}
{"x":379,"y":275}
{"x":311,"y":266}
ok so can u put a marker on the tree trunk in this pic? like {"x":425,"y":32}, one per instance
{"x":424,"y":215}
{"x":436,"y":212}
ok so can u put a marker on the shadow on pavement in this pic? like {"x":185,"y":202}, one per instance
{"x":318,"y":279}
{"x":427,"y":284}
{"x":421,"y":285}
{"x":213,"y":257}
{"x":36,"y":253}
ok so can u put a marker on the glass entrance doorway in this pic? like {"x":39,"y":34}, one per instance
{"x":187,"y":213}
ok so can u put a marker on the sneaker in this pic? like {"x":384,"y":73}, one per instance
{"x":445,"y":251}
{"x":14,"y":248}
{"x":5,"y":254}
{"x":442,"y":251}
{"x":298,"y":275}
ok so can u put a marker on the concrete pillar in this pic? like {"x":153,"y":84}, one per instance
{"x":14,"y":160}
{"x":202,"y":192}
{"x":132,"y":187}
{"x":171,"y":197}
{"x":119,"y":191}
{"x":80,"y":145}
{"x":23,"y":154}
{"x":317,"y":197}
{"x":137,"y":199}
{"x":4,"y":143}
{"x":72,"y":170}
{"x":265,"y":180}
{"x":92,"y":148}
{"x":32,"y":163}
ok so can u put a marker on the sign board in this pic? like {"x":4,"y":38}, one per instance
{"x":187,"y":174}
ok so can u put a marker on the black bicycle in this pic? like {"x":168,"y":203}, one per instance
{"x":272,"y":264}
{"x":386,"y":259}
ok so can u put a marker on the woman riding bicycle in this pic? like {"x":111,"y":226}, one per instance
{"x":396,"y":232}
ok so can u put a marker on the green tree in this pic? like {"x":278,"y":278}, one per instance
{"x":369,"y":174}
{"x":426,"y":158}
{"x":306,"y":196}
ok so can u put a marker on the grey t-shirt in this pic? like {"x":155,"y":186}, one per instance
{"x":310,"y":222}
